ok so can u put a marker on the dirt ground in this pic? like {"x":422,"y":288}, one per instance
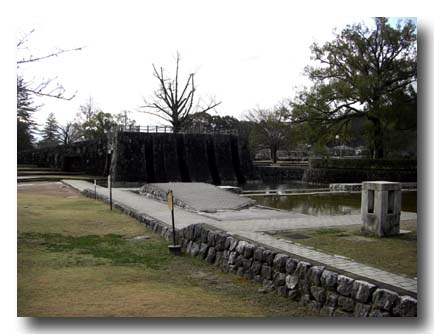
{"x":47,"y":188}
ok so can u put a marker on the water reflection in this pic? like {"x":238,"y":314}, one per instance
{"x":280,"y":186}
{"x":328,"y":203}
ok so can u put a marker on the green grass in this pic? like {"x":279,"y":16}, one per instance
{"x":74,"y":260}
{"x":396,"y":254}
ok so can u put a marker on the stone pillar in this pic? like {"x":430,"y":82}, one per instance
{"x":381,"y":208}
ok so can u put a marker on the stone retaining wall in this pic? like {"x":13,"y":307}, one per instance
{"x":277,"y":174}
{"x":326,"y":291}
{"x":160,"y":157}
{"x":341,"y":175}
{"x":87,"y":156}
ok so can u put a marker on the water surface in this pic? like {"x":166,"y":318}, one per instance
{"x":328,"y":203}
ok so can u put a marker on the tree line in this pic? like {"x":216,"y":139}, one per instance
{"x":363,"y":92}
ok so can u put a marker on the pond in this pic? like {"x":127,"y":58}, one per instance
{"x":328,"y":203}
{"x":279,"y":186}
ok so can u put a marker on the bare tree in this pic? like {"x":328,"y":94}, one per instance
{"x":49,"y":87}
{"x":28,"y":89}
{"x":68,"y":133}
{"x":173,"y":102}
{"x":270,"y":130}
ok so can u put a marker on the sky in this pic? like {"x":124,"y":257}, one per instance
{"x":243,"y":54}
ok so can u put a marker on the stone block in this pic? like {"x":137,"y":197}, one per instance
{"x":318,"y":293}
{"x":247,"y":263}
{"x":228,"y":242}
{"x":346,"y":303}
{"x":203,"y":250}
{"x":291,"y":265}
{"x":331,"y":299}
{"x":266,"y":272}
{"x":204,"y":236}
{"x":291,"y":281}
{"x":405,"y":307}
{"x":233,"y":245}
{"x":189,"y":232}
{"x":314,"y":275}
{"x":240,"y":247}
{"x":304,"y":286}
{"x":279,"y":262}
{"x":258,"y":254}
{"x":232,"y":258}
{"x":279,"y":279}
{"x":218,"y":257}
{"x":195,"y":248}
{"x":239,"y":261}
{"x":197,"y":231}
{"x":211,"y":238}
{"x":188,"y":248}
{"x":249,"y":250}
{"x":220,"y":242}
{"x":384,"y":299}
{"x":302,"y":268}
{"x":345,"y":285}
{"x":256,"y":267}
{"x":362,"y":291}
{"x":362,"y":310}
{"x":268,"y":257}
{"x":211,"y":257}
{"x":329,"y":279}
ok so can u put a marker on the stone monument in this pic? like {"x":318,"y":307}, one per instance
{"x":381,"y":208}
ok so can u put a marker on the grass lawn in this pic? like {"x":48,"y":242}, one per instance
{"x":394,"y":254}
{"x":75,"y":260}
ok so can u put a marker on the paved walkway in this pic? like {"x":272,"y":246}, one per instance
{"x":252,"y":223}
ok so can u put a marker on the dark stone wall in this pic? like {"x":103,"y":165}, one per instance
{"x":329,"y":175}
{"x":359,"y":170}
{"x":88,"y":156}
{"x":275,"y":174}
{"x":159,"y":157}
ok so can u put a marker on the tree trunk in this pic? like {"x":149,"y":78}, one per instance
{"x":274,"y":154}
{"x":378,"y":140}
{"x":176,"y":126}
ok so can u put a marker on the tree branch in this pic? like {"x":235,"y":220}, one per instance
{"x":54,"y":54}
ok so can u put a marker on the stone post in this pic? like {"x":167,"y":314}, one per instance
{"x":381,"y":208}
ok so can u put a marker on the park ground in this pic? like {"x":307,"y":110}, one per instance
{"x":76,"y":258}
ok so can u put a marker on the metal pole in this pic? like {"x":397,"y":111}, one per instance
{"x":173,"y":225}
{"x":94,"y":186}
{"x":110,"y":190}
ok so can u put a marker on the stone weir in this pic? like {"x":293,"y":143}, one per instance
{"x":159,"y":157}
{"x":197,"y":196}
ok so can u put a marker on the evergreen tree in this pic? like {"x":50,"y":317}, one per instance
{"x":50,"y":133}
{"x":25,"y":124}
